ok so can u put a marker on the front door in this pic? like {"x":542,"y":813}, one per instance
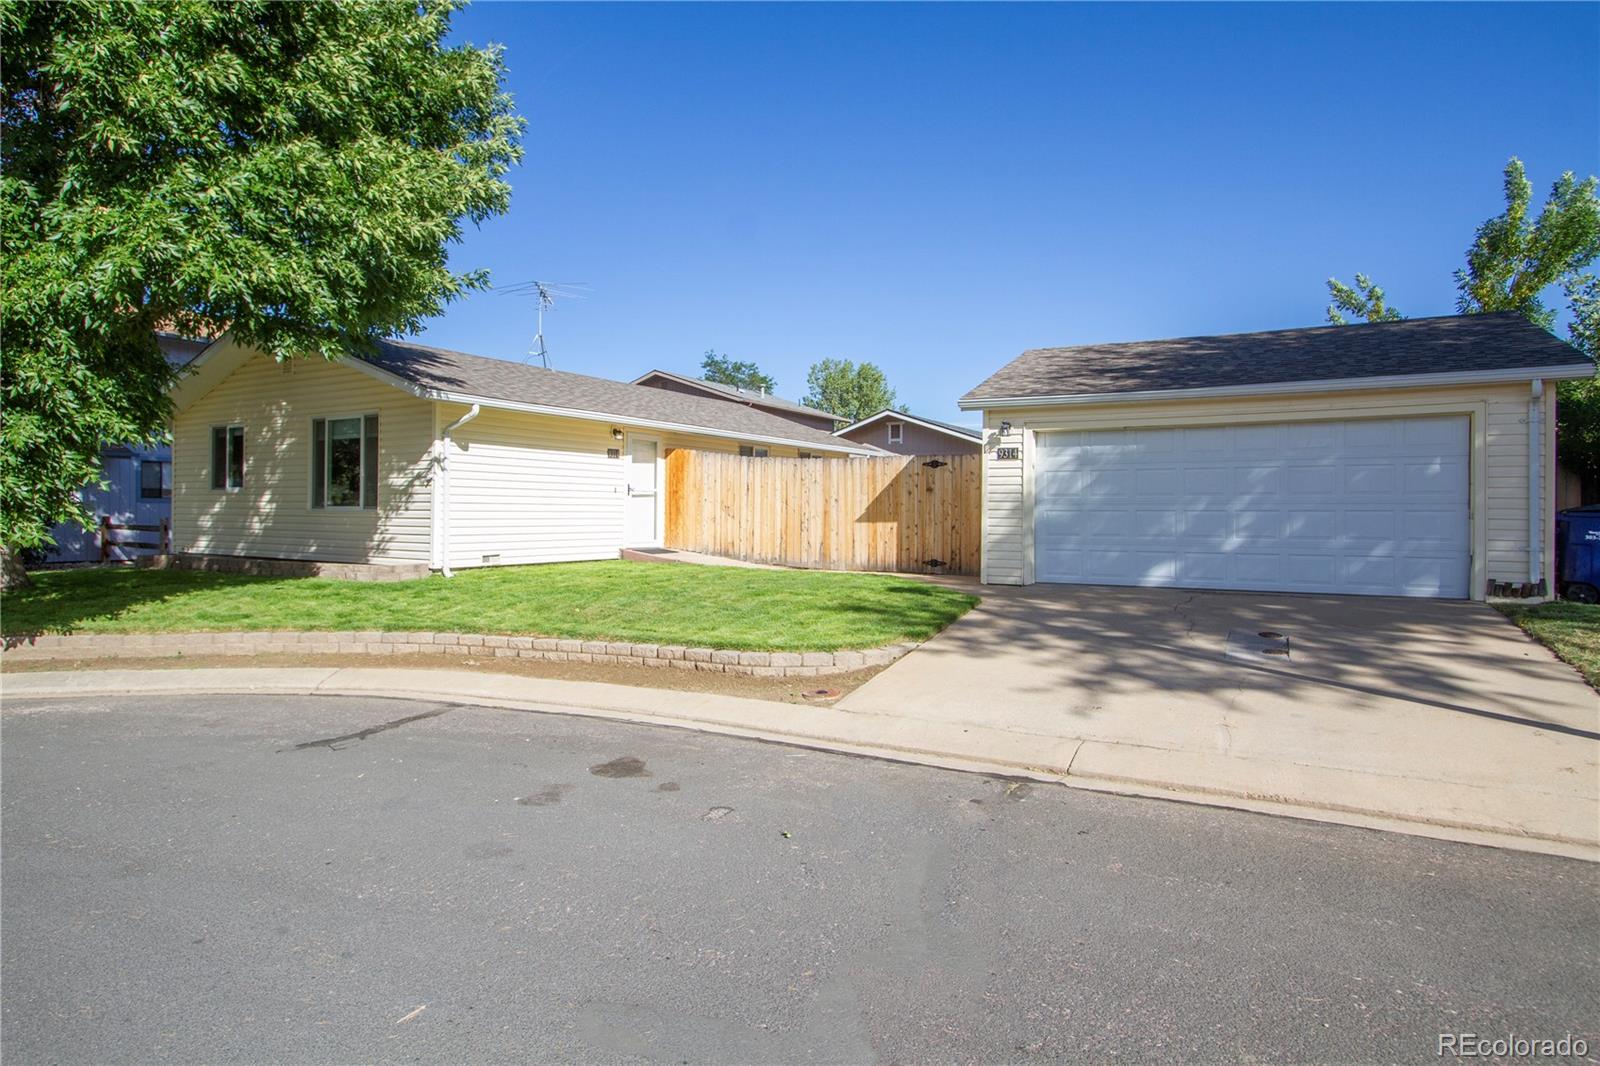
{"x":642,"y":528}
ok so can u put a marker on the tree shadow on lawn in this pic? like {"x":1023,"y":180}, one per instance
{"x":63,"y":601}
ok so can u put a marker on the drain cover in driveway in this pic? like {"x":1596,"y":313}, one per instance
{"x":1257,"y":646}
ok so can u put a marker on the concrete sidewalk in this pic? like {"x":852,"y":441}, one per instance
{"x":1367,"y":798}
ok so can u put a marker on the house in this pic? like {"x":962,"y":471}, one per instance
{"x":908,"y":434}
{"x":422,"y":456}
{"x":794,"y":412}
{"x":1411,"y":458}
{"x":135,"y":487}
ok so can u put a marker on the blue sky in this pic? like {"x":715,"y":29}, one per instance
{"x":937,"y":188}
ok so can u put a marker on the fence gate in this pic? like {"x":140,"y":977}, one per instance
{"x":911,"y":513}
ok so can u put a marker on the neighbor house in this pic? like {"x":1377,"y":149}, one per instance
{"x":1411,"y":458}
{"x":417,"y":455}
{"x":794,"y":412}
{"x":134,"y":488}
{"x":908,"y":434}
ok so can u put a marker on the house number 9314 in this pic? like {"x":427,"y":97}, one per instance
{"x":1008,"y":453}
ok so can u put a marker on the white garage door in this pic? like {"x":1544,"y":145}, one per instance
{"x":1377,"y":507}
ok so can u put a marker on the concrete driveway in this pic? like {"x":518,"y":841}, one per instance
{"x":1430,"y":712}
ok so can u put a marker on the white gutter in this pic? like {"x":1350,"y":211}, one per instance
{"x":1285,"y":388}
{"x":1536,"y":482}
{"x":441,"y":489}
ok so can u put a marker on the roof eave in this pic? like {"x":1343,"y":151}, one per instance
{"x":1465,"y":377}
{"x":972,"y":435}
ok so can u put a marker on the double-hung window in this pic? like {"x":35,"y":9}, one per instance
{"x":897,"y":432}
{"x":227,"y":458}
{"x":344,"y":462}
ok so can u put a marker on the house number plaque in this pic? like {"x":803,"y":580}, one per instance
{"x":1008,"y":453}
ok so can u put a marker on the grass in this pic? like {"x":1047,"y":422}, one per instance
{"x":1571,"y":630}
{"x":654,"y":603}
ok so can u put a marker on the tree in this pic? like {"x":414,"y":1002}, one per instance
{"x":853,"y":392}
{"x":723,"y":369}
{"x":1511,"y":266}
{"x":292,"y":172}
{"x":1364,"y":301}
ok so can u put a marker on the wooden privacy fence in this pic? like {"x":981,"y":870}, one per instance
{"x":911,"y":513}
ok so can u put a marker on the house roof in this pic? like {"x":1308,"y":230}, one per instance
{"x":1481,"y":347}
{"x":964,"y":432}
{"x":734,"y":392}
{"x":443,"y":374}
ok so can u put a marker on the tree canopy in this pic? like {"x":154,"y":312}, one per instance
{"x":725,"y":370}
{"x":848,"y":390}
{"x":1512,"y":265}
{"x":1364,"y":300}
{"x":294,"y":173}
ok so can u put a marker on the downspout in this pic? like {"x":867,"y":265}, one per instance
{"x":441,"y":494}
{"x":1536,"y":483}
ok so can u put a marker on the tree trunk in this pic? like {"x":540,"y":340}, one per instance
{"x":13,"y":576}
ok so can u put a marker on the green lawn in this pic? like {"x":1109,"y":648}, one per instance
{"x":1571,"y":630}
{"x":654,"y":603}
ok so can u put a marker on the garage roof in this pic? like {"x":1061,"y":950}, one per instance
{"x":1478,"y":346}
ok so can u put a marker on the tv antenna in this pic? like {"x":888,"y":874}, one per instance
{"x":545,"y":294}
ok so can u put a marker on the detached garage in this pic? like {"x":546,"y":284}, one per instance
{"x":1410,"y":458}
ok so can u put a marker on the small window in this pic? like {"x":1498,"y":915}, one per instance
{"x":155,"y":479}
{"x":227,"y":458}
{"x":751,"y":451}
{"x":344,"y":462}
{"x":805,"y":455}
{"x":897,"y":432}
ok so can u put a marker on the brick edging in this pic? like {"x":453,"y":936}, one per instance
{"x":458,"y":645}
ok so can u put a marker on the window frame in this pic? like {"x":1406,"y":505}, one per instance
{"x":163,"y":479}
{"x":897,"y":432}
{"x":327,"y":474}
{"x":227,"y":430}
{"x":753,"y":451}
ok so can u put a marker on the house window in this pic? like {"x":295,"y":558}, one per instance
{"x":344,"y":462}
{"x":805,"y":455}
{"x":897,"y":432}
{"x":155,"y":479}
{"x":751,"y":451}
{"x":227,"y":458}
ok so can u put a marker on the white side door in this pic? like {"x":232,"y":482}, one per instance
{"x":642,"y":524}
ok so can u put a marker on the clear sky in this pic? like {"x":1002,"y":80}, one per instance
{"x":937,"y":188}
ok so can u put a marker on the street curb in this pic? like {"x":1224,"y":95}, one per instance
{"x":50,"y":646}
{"x":1121,"y":769}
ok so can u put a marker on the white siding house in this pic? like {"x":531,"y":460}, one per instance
{"x":421,"y":456}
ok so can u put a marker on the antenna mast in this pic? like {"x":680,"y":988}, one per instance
{"x":544,"y":294}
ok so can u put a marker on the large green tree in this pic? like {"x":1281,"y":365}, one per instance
{"x":1512,"y":265}
{"x":292,"y":172}
{"x":728,"y":371}
{"x":848,"y":390}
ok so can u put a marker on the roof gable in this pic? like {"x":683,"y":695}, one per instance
{"x":889,"y":414}
{"x":1454,"y":344}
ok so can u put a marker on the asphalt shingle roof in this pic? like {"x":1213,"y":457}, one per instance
{"x":496,"y":379}
{"x":965,"y":431}
{"x":1451,"y":344}
{"x":755,"y":396}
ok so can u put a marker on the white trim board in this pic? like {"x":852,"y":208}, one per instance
{"x":1282,"y":388}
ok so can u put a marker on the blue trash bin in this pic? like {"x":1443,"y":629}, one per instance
{"x":1578,"y":554}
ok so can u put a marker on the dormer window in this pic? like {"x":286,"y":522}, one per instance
{"x":897,"y":432}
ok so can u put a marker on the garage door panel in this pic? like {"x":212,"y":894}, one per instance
{"x":1355,"y":507}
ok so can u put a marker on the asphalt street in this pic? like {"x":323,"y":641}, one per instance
{"x":236,"y":879}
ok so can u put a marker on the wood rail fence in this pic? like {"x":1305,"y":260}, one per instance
{"x":111,"y":532}
{"x":911,"y":514}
